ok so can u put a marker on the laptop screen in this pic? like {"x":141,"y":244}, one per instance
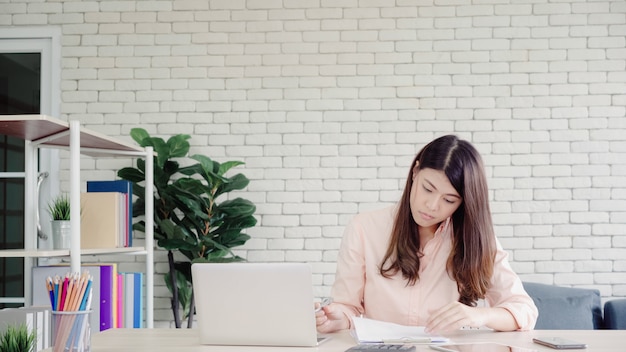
{"x":264,"y":304}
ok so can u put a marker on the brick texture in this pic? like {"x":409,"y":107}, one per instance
{"x":327,"y":102}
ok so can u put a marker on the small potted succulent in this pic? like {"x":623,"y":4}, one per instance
{"x":59,"y":209}
{"x":17,"y":338}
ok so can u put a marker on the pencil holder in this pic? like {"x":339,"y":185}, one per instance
{"x":71,"y":331}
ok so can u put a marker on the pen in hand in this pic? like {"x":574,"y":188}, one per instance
{"x":325,"y":301}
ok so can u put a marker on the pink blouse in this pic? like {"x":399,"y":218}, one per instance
{"x":361,"y":290}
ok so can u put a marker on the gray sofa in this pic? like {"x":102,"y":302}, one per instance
{"x":569,"y":308}
{"x":615,"y":314}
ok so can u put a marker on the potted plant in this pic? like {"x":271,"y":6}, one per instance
{"x":17,"y":339}
{"x":191,"y":215}
{"x":59,"y":209}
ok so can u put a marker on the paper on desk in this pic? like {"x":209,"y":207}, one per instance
{"x":375,"y":331}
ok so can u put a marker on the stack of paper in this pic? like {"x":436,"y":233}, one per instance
{"x":374,"y":331}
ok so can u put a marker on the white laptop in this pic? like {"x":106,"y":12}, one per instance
{"x":260,"y":304}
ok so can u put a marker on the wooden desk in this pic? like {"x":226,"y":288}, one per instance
{"x":186,"y":340}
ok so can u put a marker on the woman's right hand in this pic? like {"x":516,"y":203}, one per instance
{"x":330,"y":319}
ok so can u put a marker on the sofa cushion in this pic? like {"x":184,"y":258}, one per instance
{"x":565,"y":308}
{"x":615,"y":314}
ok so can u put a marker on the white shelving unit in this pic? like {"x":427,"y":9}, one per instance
{"x":40,"y":131}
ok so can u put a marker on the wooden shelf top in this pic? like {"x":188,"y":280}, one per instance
{"x":52,"y":132}
{"x":49,"y":253}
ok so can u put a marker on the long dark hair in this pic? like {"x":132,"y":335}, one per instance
{"x":471,"y":260}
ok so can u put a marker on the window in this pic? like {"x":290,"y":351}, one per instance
{"x":29,"y":81}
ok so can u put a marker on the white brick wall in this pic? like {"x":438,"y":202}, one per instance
{"x":328,"y":101}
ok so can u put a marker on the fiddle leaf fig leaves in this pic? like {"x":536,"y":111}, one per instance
{"x":189,"y":214}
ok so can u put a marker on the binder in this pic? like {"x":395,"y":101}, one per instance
{"x":107,"y":274}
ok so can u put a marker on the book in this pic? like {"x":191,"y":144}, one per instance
{"x":115,"y":299}
{"x":122,"y":186}
{"x":138,"y":304}
{"x":129,"y":299}
{"x":120,"y":301}
{"x":100,"y":220}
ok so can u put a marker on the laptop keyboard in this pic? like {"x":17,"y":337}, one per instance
{"x":381,"y":347}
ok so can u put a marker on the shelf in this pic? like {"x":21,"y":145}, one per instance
{"x":53,"y":133}
{"x":41,"y":131}
{"x":48,"y":253}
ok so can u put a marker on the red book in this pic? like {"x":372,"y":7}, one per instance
{"x":120,"y":301}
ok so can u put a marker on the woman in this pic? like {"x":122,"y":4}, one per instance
{"x":428,"y":260}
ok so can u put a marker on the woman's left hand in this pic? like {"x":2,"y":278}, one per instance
{"x":454,"y":316}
